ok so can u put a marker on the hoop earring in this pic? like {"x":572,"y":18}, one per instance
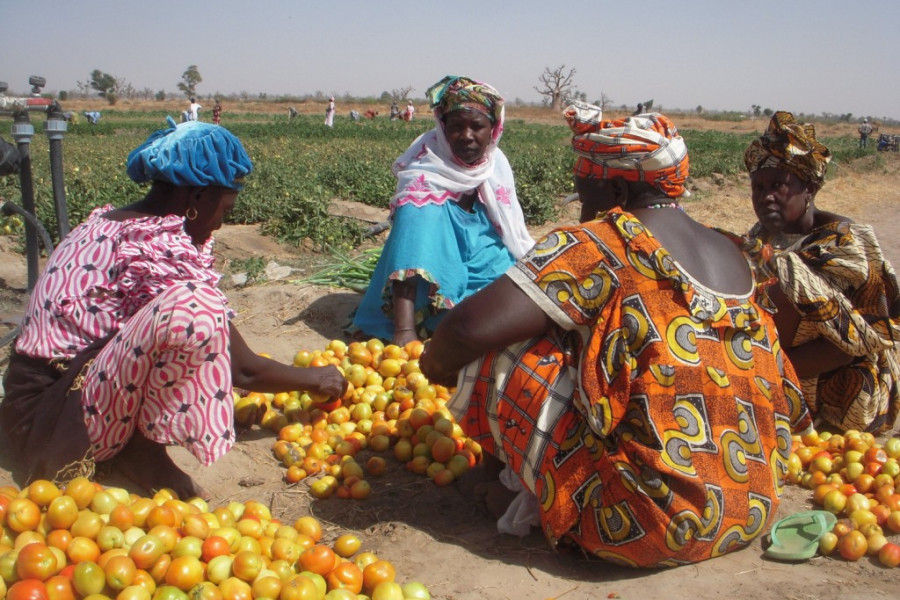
{"x":190,"y":216}
{"x":806,"y":210}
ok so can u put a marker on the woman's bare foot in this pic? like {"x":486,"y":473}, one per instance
{"x":481,"y":485}
{"x":147,"y":463}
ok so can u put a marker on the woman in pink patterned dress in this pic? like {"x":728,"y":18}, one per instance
{"x":127,"y":344}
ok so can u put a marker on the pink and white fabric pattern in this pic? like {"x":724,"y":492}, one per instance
{"x":167,"y":372}
{"x":167,"y":369}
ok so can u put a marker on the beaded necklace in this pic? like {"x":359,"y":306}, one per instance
{"x":663,"y":205}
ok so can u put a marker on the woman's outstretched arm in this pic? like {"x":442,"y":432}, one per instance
{"x":499,"y":315}
{"x":256,"y":373}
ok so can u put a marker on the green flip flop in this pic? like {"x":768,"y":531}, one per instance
{"x":796,"y":537}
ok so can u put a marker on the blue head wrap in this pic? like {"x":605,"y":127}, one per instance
{"x":192,"y":153}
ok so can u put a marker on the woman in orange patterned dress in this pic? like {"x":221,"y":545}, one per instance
{"x":633,"y":383}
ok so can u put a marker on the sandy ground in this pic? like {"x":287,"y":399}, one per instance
{"x":435,"y":535}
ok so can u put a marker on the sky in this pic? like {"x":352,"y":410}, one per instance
{"x":805,"y":56}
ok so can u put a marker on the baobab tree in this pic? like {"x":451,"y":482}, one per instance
{"x":557,"y":85}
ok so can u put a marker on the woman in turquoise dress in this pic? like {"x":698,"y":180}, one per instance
{"x":456,"y":223}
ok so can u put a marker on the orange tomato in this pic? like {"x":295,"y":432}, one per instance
{"x":81,"y":549}
{"x":184,"y":572}
{"x":234,"y":588}
{"x":161,"y":515}
{"x":267,"y":586}
{"x":62,"y":512}
{"x":88,"y":524}
{"x":59,"y":587}
{"x":159,"y":568}
{"x":23,"y":514}
{"x":82,"y":490}
{"x":59,"y":538}
{"x":853,"y":545}
{"x":121,"y":517}
{"x":146,"y":551}
{"x":299,"y":587}
{"x":377,"y":572}
{"x":346,"y":576}
{"x":120,"y":572}
{"x":247,"y":565}
{"x":318,"y":559}
{"x":42,"y":492}
{"x":309,"y":526}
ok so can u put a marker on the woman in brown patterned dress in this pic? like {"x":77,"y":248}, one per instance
{"x":837,"y":298}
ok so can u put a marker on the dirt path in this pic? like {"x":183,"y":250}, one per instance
{"x":433,"y":534}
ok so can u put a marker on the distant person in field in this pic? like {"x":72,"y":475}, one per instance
{"x":837,"y":295}
{"x":371,"y":114}
{"x":194,"y":110}
{"x":409,"y":112}
{"x":865,"y":130}
{"x":217,"y":113}
{"x":92,"y":116}
{"x":128,"y":345}
{"x":456,"y":221}
{"x":395,"y":111}
{"x":354,"y":115}
{"x":329,"y":112}
{"x":292,"y":113}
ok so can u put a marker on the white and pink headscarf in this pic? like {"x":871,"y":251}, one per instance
{"x":429,"y":173}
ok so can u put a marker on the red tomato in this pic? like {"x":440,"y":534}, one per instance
{"x":318,"y":559}
{"x":27,"y":589}
{"x":889,"y":555}
{"x":59,"y":587}
{"x":36,"y":561}
{"x":213,"y":546}
{"x":875,"y":454}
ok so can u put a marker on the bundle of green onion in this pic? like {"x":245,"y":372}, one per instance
{"x":353,"y":273}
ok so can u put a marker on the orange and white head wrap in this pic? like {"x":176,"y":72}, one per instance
{"x":644,"y":148}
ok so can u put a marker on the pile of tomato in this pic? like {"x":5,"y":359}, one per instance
{"x":87,"y":542}
{"x":389,"y":407}
{"x":856,"y":478}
